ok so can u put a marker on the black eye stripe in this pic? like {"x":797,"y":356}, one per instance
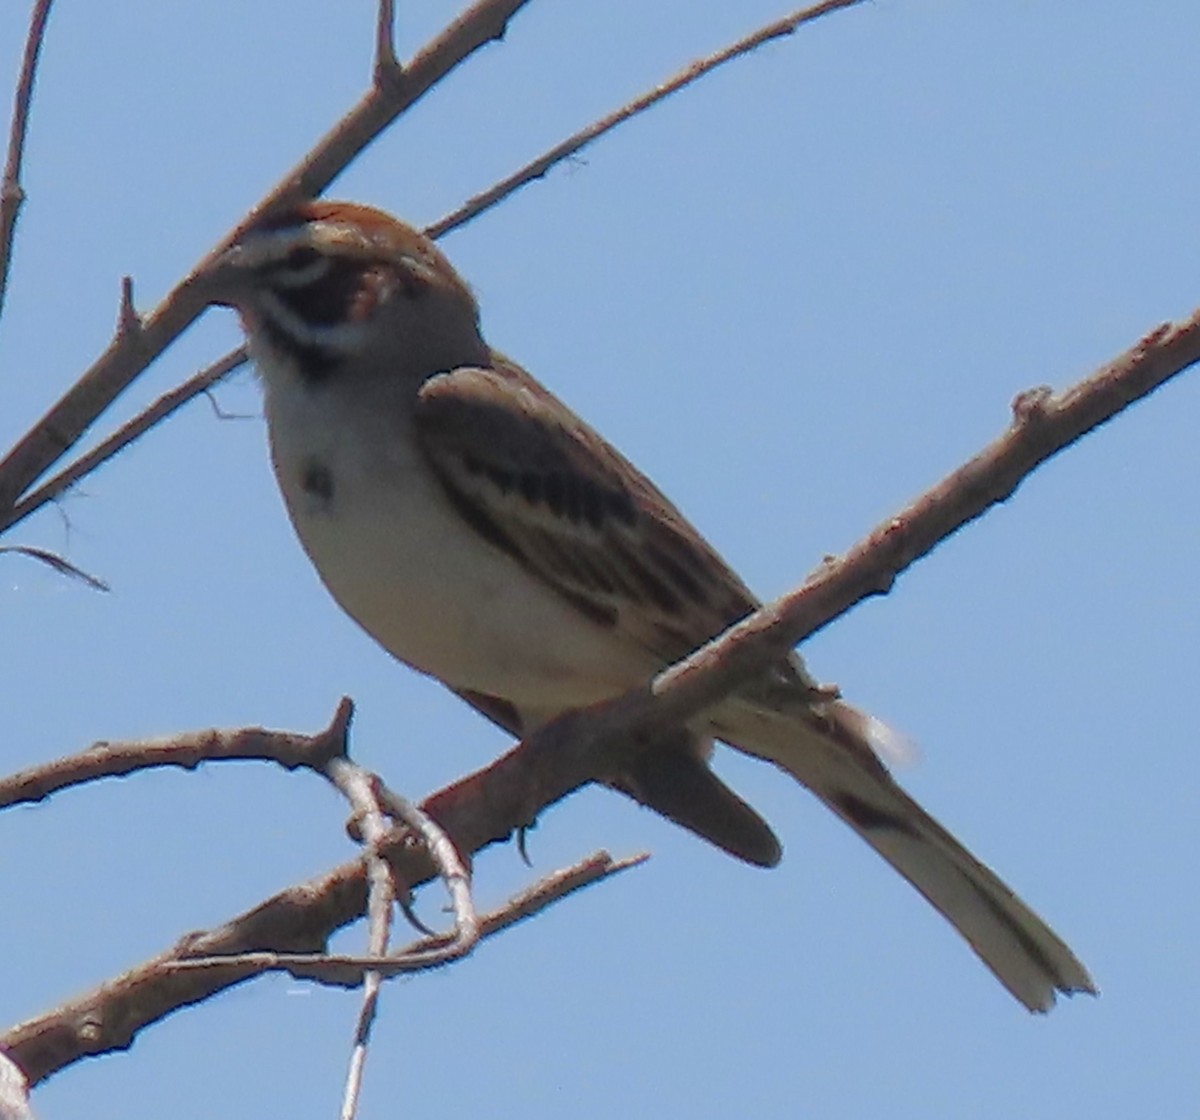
{"x":301,"y":257}
{"x":302,"y":266}
{"x":322,"y":292}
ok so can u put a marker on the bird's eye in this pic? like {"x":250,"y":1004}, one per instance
{"x":301,"y":257}
{"x":300,"y":267}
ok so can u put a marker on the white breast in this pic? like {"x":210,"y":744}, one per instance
{"x":395,"y":554}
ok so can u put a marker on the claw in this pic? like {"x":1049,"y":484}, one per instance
{"x":410,"y":915}
{"x":522,"y":832}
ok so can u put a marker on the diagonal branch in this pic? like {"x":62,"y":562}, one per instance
{"x":130,"y":352}
{"x":537,"y":168}
{"x":120,"y":759}
{"x":582,"y":746}
{"x":199,"y":382}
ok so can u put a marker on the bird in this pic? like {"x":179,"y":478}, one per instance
{"x":486,"y":536}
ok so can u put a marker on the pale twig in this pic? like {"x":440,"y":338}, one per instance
{"x":538,"y":167}
{"x":371,"y":800}
{"x":452,"y":868}
{"x":12,"y":194}
{"x":362,"y":791}
{"x":127,"y":355}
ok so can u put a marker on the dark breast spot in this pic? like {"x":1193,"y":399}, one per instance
{"x":316,"y":480}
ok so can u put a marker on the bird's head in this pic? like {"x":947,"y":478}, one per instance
{"x":325,"y":284}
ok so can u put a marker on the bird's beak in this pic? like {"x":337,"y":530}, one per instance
{"x":226,"y":281}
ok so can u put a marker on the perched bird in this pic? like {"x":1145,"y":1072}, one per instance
{"x":483,"y":534}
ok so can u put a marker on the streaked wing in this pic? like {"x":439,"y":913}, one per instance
{"x":539,"y":484}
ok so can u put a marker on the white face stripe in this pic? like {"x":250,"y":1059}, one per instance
{"x":302,"y":276}
{"x":267,"y":247}
{"x":329,"y":239}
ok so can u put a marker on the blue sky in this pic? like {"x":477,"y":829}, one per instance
{"x":796,"y":295}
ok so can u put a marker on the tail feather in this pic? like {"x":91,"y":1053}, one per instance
{"x":831,"y":749}
{"x":673,"y":779}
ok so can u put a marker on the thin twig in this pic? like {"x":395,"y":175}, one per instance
{"x":119,"y":759}
{"x":387,"y":65}
{"x":60,"y":564}
{"x":362,"y":791}
{"x":12,"y":194}
{"x":450,"y":864}
{"x":538,"y":167}
{"x":120,"y":439}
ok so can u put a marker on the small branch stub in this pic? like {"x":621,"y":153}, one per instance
{"x":388,"y":71}
{"x":129,"y":322}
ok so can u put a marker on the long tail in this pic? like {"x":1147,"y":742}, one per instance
{"x":829,"y":749}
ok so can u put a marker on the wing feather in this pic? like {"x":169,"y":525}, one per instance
{"x":543,"y":487}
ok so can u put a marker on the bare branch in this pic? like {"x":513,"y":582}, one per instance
{"x":114,"y":760}
{"x":371,"y":799}
{"x":120,"y":439}
{"x":12,"y":194}
{"x":537,"y":168}
{"x":295,"y":922}
{"x":128,"y":355}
